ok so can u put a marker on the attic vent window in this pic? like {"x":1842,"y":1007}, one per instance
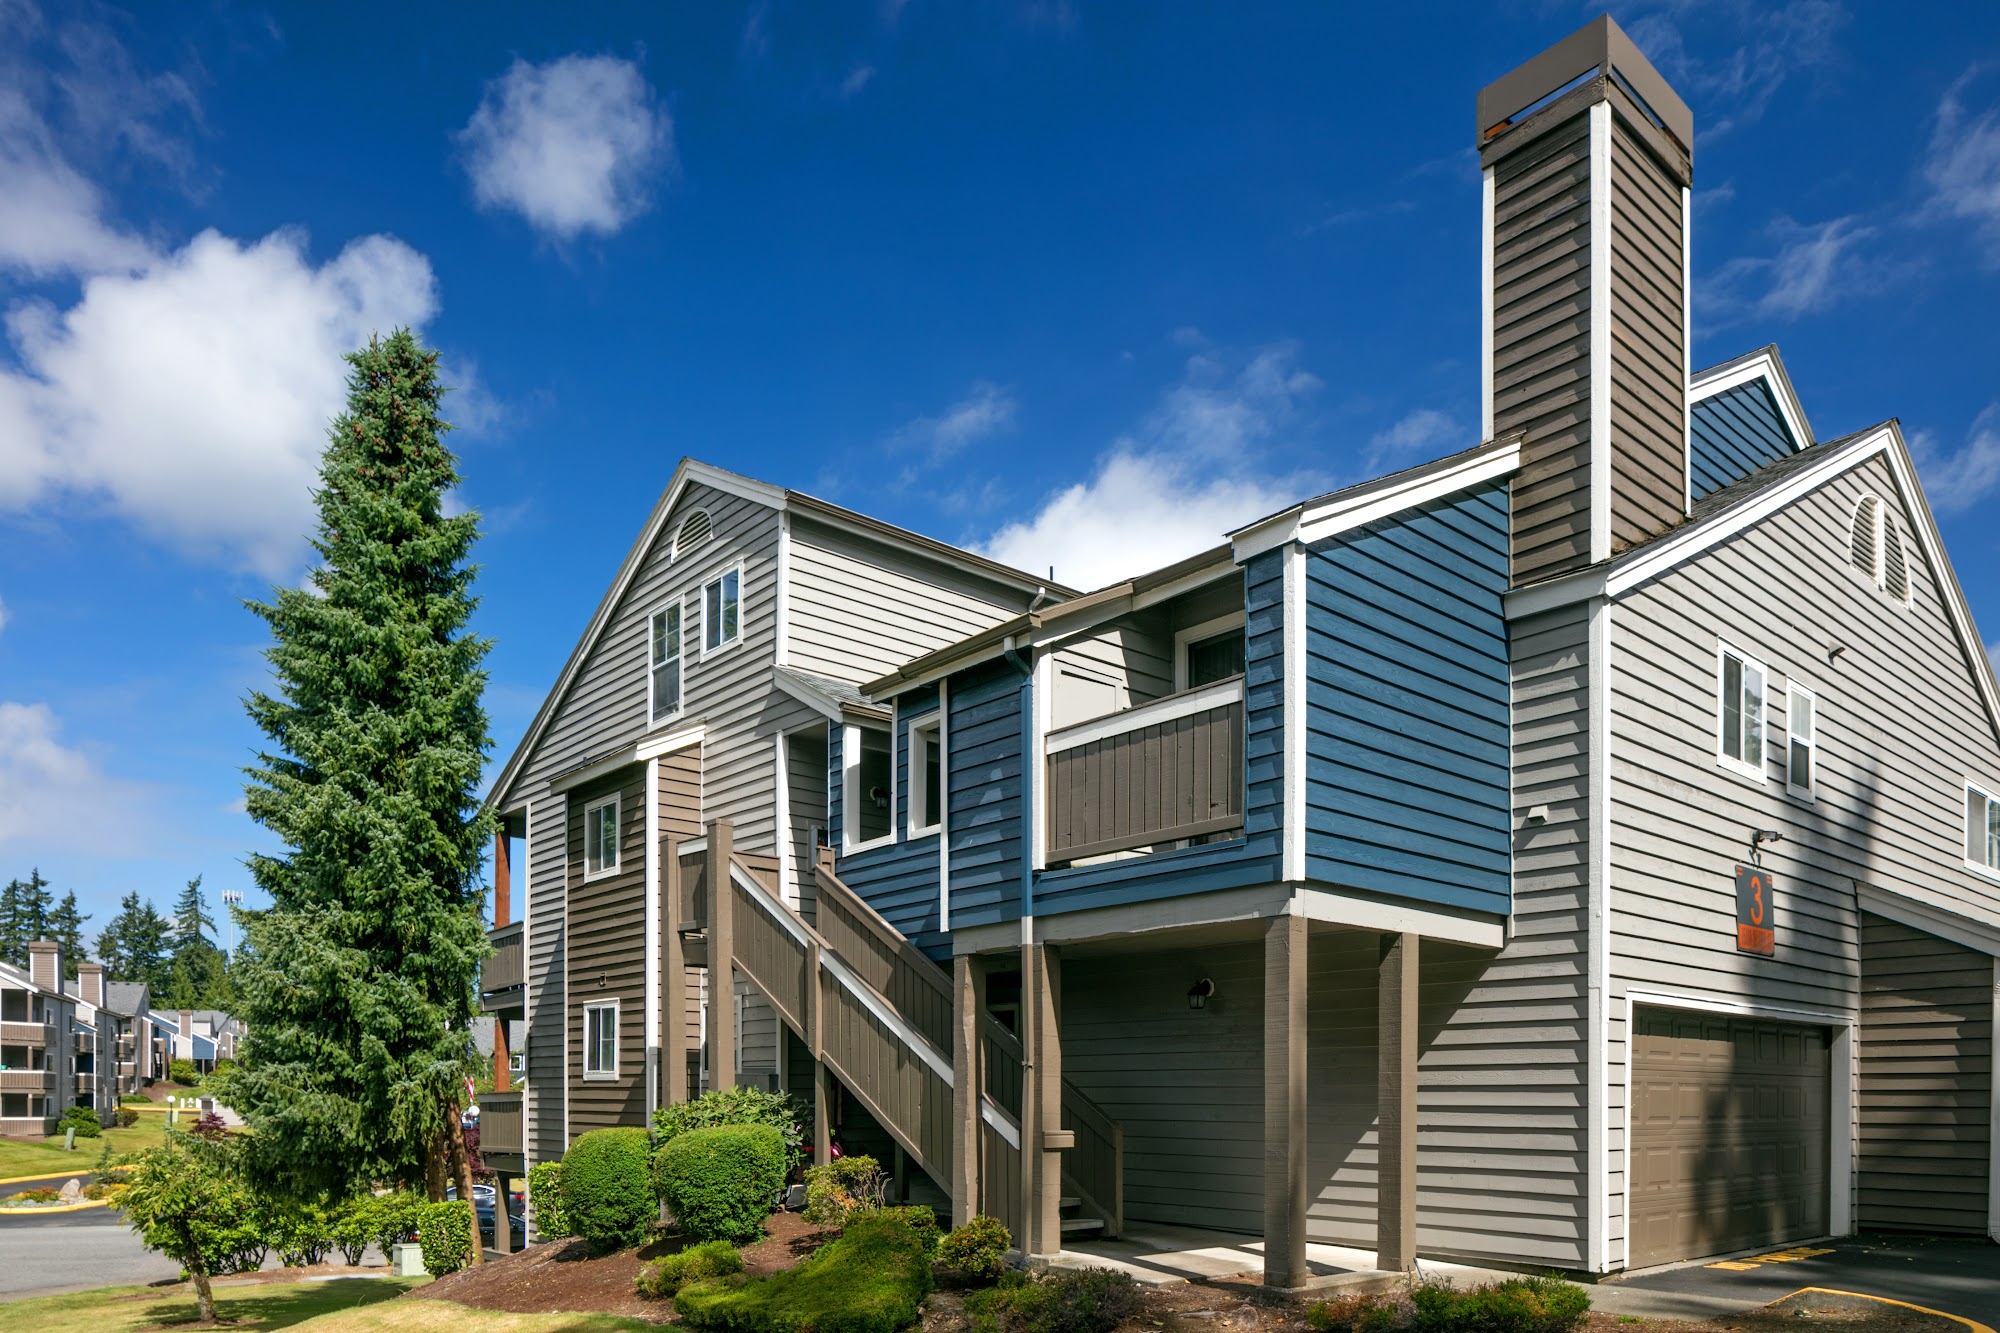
{"x":1895,"y":570}
{"x":1867,"y":517}
{"x":694,"y":530}
{"x":1875,"y":544}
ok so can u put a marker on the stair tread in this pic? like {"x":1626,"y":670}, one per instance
{"x":1076,"y":1225}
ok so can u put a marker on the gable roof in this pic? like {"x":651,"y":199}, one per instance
{"x":1762,"y":364}
{"x":126,"y":997}
{"x":691,"y":471}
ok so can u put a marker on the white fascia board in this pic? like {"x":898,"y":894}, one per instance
{"x":805,"y":694}
{"x":597,"y":768}
{"x":1292,"y":842}
{"x":1983,"y":936}
{"x":1601,"y":188}
{"x":1398,"y":918}
{"x":1762,"y":364}
{"x":680,"y":738}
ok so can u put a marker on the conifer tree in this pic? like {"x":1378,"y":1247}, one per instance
{"x":66,"y":929}
{"x":25,"y":907}
{"x":192,"y":923}
{"x":357,"y":982}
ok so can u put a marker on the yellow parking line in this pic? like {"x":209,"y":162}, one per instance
{"x":1790,"y":1256}
{"x":1973,"y":1324}
{"x":71,"y":1208}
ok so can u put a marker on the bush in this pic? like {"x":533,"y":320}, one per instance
{"x":40,"y":1194}
{"x":1059,"y":1300}
{"x":873,"y":1279}
{"x":127,"y":1119}
{"x":445,"y":1231}
{"x":738,"y":1106}
{"x":391,"y":1219}
{"x":184,"y":1073}
{"x":711,"y":1258}
{"x":1517,"y":1305}
{"x":135,"y":1097}
{"x":606,"y":1194}
{"x":841,"y":1188}
{"x":975,"y":1253}
{"x":81,"y":1119}
{"x":721,"y":1183}
{"x":303,"y":1233}
{"x":545,"y":1194}
{"x":350,"y":1227}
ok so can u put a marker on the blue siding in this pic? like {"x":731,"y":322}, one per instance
{"x":1733,"y":433}
{"x":987,"y":837}
{"x":900,"y":879}
{"x":1407,"y":705}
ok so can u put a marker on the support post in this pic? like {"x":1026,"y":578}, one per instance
{"x":968,"y":1080}
{"x":673,"y":977}
{"x":503,"y":1238}
{"x":822,"y":1113}
{"x":502,"y":911}
{"x":1396,"y":1107}
{"x":503,"y":1079}
{"x":721,"y":950}
{"x":1285,"y":1183}
{"x":1042,"y":1135}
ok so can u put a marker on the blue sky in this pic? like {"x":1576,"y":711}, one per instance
{"x":1076,"y":285}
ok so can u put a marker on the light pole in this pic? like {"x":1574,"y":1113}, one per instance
{"x":231,"y":898}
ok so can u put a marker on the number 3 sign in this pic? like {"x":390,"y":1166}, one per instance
{"x":1755,"y":927}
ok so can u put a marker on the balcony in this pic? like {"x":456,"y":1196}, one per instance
{"x":500,"y":1124}
{"x":24,"y":1034}
{"x":501,"y":978}
{"x":1148,"y":777}
{"x":24,"y":1080}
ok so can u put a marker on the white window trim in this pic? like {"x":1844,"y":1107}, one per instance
{"x":1794,"y":689}
{"x":1207,"y":629}
{"x":850,"y":793}
{"x":616,"y":802}
{"x":932,"y":723}
{"x":1990,"y":794}
{"x":655,"y":719}
{"x":600,"y":1075}
{"x":705,"y":653}
{"x":1759,"y":773}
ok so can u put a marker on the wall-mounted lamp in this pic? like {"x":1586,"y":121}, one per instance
{"x":1757,"y":841}
{"x":1201,"y":993}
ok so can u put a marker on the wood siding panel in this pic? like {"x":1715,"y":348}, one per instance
{"x":1157,"y":784}
{"x":546,"y":1055}
{"x":1926,"y":1081}
{"x":1648,"y":365}
{"x":987,"y":838}
{"x":607,"y":956}
{"x":1407,"y":705}
{"x":1735,"y":432}
{"x":805,"y":770}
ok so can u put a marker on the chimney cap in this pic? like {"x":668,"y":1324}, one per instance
{"x":1599,"y":46}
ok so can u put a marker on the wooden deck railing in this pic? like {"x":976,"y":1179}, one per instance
{"x":503,"y":970}
{"x":24,"y":1080}
{"x":1164,"y":771}
{"x":24,"y":1034}
{"x":501,"y":1124}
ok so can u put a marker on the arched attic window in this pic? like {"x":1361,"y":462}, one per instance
{"x":1875,"y":544}
{"x":693,"y":531}
{"x":1895,"y":566}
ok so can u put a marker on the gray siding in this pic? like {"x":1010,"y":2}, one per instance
{"x":607,"y":956}
{"x":860,"y":608}
{"x":1541,"y":343}
{"x":1648,"y":365}
{"x":1926,"y":1081}
{"x":805,"y":771}
{"x":548,"y":899}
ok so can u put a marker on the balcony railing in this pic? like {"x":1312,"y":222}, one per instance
{"x":1160,"y":773}
{"x":24,"y":1080}
{"x":24,"y":1034}
{"x":504,"y":971}
{"x":500,"y":1123}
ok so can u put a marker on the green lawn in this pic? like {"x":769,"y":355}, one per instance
{"x":261,"y":1306}
{"x":31,"y":1157}
{"x":444,"y":1317}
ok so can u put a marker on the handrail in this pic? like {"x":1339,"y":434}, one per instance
{"x":1172,"y":707}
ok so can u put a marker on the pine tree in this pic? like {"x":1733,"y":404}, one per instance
{"x":135,"y":945}
{"x":66,"y":929}
{"x":192,"y":923}
{"x":13,"y":948}
{"x":357,"y":982}
{"x":195,"y":976}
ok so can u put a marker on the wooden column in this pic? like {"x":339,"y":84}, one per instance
{"x":968,"y":1078}
{"x":503,"y":910}
{"x":1285,"y":1177}
{"x":503,"y":1239}
{"x":503,"y":1080}
{"x":673,"y":977}
{"x":1396,"y":1107}
{"x":721,"y":952}
{"x":1042,"y":1136}
{"x":822,"y":1076}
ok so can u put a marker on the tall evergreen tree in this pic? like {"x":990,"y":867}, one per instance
{"x":196,"y":975}
{"x":357,"y":982}
{"x":25,"y":907}
{"x":66,"y":929}
{"x":192,"y":924}
{"x":136,"y":945}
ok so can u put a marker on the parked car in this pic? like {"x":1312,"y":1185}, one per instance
{"x":483,"y":1204}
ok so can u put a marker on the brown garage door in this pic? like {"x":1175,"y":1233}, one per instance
{"x":1729,"y":1135}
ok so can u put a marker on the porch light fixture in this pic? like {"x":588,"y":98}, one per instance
{"x":1200,"y":993}
{"x":1757,"y":841}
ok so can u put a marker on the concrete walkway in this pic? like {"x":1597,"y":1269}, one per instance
{"x":1159,"y":1255}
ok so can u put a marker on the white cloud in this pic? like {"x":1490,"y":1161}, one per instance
{"x":1735,"y":84}
{"x":55,"y":795}
{"x":1175,"y":485}
{"x":51,"y":217}
{"x":1815,"y":267}
{"x":857,"y":79}
{"x":573,"y":146}
{"x":1962,"y":165}
{"x":193,"y":395}
{"x":1418,"y":437}
{"x":1957,"y":481}
{"x":985,"y":410}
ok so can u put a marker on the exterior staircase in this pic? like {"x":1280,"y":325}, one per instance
{"x":878,"y":1014}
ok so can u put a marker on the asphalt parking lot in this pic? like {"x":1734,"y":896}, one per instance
{"x":1953,"y":1275}
{"x":74,"y":1252}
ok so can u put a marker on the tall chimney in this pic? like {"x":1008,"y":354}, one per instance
{"x":90,"y":982}
{"x":45,"y":965}
{"x":1588,"y":158}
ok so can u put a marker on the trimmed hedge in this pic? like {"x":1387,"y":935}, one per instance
{"x":391,"y":1219}
{"x":975,"y":1253}
{"x":873,"y":1279}
{"x":1516,"y":1305}
{"x":738,"y":1106}
{"x":445,"y":1232}
{"x":607,"y":1197}
{"x":83,"y":1120}
{"x":545,"y":1193}
{"x":721,"y":1183}
{"x":664,"y":1277}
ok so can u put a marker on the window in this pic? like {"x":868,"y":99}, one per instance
{"x":719,"y":614}
{"x":600,"y":1040}
{"x":1982,"y":829}
{"x":872,"y":774}
{"x":926,"y":776}
{"x":666,"y":662}
{"x":1208,"y":652}
{"x":1802,"y":745}
{"x":693,"y":531}
{"x":600,"y":838}
{"x":1741,"y":713}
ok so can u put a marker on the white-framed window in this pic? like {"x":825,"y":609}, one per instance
{"x":1801,"y":739}
{"x":664,"y":655}
{"x":600,"y":838}
{"x":868,"y":761}
{"x":721,"y":610}
{"x":926,"y":794}
{"x":1208,"y":652}
{"x":1740,"y":712}
{"x":1982,"y":829}
{"x":600,"y":1039}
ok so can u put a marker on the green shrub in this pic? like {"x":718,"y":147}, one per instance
{"x":545,"y":1194}
{"x":184,"y":1073}
{"x":666,"y":1276}
{"x":135,"y":1097}
{"x":975,"y":1253}
{"x":1517,"y":1305}
{"x":303,"y":1233}
{"x":873,"y":1279}
{"x":391,"y":1219}
{"x":445,"y":1231}
{"x":83,"y":1120}
{"x":721,"y":1183}
{"x":126,"y":1119}
{"x":350,"y":1226}
{"x":842,"y":1187}
{"x":1083,"y":1300}
{"x":39,"y":1194}
{"x":738,"y":1106}
{"x":607,"y":1196}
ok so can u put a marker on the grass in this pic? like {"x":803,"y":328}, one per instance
{"x":45,"y":1157}
{"x":262,"y":1306}
{"x":444,"y":1317}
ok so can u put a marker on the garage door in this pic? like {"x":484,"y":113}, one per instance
{"x":1729,"y":1135}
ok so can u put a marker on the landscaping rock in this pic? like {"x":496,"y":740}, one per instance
{"x":72,"y":1190}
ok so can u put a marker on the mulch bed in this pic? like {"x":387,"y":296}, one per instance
{"x":560,"y":1277}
